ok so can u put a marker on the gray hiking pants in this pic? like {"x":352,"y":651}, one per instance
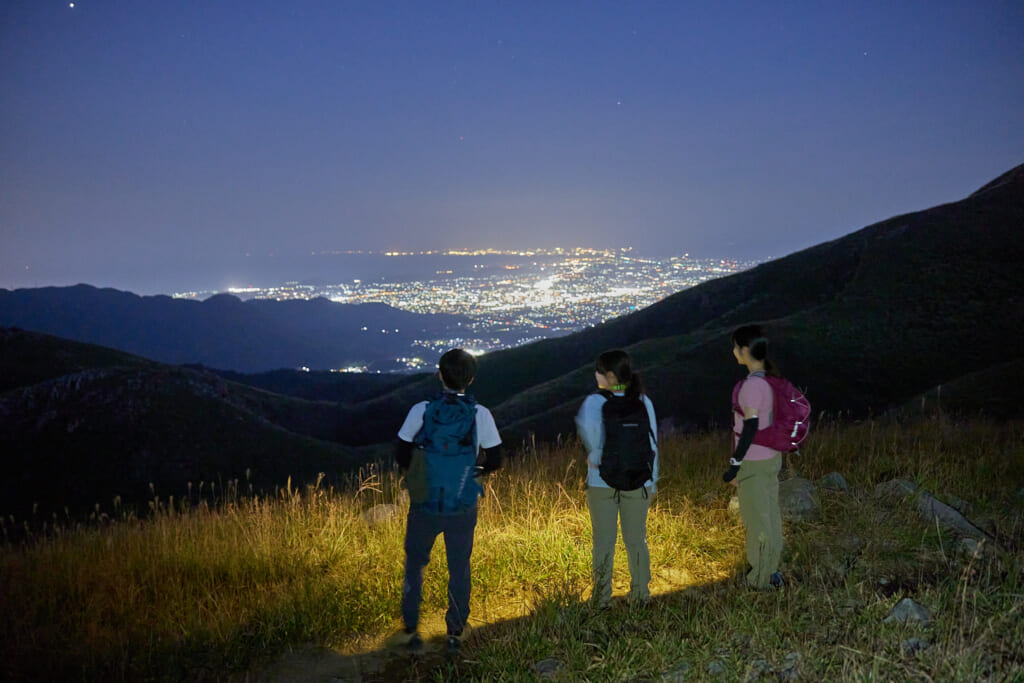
{"x":607,"y":506}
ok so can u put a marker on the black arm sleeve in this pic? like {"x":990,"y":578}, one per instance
{"x":403,"y":453}
{"x":746,"y":438}
{"x":492,"y":458}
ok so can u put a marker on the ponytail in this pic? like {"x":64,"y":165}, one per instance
{"x":618,"y":362}
{"x":753,"y":338}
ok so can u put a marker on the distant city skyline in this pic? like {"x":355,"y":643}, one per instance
{"x":157,"y":146}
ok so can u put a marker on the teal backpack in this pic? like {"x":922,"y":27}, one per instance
{"x":448,"y":440}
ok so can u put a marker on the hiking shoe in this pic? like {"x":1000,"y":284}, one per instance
{"x":455,"y":639}
{"x":776,"y":581}
{"x":409,"y":641}
{"x":454,"y":643}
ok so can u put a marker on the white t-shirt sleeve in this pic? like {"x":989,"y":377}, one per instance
{"x":486,"y":431}
{"x":414,"y":422}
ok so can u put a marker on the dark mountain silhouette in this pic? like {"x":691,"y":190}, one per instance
{"x":877,"y":320}
{"x":863,"y":323}
{"x":223,"y":331}
{"x":80,"y":424}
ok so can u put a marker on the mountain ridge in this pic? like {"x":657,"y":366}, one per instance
{"x":224,"y":331}
{"x":866,"y":323}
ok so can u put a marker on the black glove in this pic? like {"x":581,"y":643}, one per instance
{"x":731,"y":473}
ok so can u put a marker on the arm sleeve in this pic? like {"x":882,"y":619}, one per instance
{"x":746,"y":438}
{"x":492,"y":458}
{"x":486,"y":431}
{"x":403,"y":453}
{"x":588,"y":426}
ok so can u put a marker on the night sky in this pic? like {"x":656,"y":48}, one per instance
{"x":150,"y":146}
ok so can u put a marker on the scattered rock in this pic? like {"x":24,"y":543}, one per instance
{"x":734,"y":507}
{"x":797,"y":499}
{"x":380,"y":514}
{"x":708,"y":498}
{"x":547,"y":668}
{"x":677,"y":674}
{"x":848,"y":606}
{"x":676,"y":576}
{"x":971,"y":549}
{"x":913,"y":645}
{"x":906,"y":610}
{"x":790,"y":670}
{"x":834,"y":481}
{"x":959,"y":504}
{"x":895,"y":488}
{"x":758,"y":668}
{"x":931,"y":508}
{"x":716,"y":669}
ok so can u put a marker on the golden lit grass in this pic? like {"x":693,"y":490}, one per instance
{"x":203,"y":592}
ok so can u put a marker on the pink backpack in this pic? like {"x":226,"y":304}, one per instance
{"x":791,"y":416}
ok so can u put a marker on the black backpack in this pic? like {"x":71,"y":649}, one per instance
{"x":627,"y":459}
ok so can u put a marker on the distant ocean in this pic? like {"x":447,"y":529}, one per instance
{"x":340,"y":268}
{"x":271,"y":270}
{"x":218,"y":274}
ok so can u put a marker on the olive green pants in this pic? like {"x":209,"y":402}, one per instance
{"x":607,"y":506}
{"x":758,"y":484}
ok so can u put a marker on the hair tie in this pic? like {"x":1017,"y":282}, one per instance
{"x":756,"y":340}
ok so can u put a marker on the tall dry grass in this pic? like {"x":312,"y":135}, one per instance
{"x":200,"y":591}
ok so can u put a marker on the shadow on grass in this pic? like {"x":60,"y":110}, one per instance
{"x":509,"y":649}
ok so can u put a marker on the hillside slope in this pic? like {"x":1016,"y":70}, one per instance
{"x":863,"y":322}
{"x":223,"y":331}
{"x":85,"y":424}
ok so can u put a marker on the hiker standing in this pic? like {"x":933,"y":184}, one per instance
{"x":619,"y":431}
{"x":753,"y":468}
{"x":459,"y":441}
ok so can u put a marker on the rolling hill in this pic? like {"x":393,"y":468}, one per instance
{"x":224,"y":331}
{"x":80,"y":424}
{"x":864,"y":323}
{"x":925,"y":306}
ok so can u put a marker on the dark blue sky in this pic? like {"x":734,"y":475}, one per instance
{"x":151,"y":145}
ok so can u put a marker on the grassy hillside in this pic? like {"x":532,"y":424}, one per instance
{"x":81,"y":425}
{"x":864,"y":323}
{"x":298,"y":586}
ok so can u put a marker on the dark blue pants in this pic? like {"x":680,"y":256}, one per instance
{"x":420,"y":533}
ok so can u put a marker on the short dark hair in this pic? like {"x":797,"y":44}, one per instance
{"x":458,"y":368}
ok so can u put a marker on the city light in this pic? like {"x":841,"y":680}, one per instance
{"x":514,"y":297}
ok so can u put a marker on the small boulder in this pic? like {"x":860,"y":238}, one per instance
{"x":790,"y":670}
{"x":758,"y":668}
{"x":971,"y":549}
{"x":911,"y":646}
{"x":797,"y":499}
{"x":734,"y":507}
{"x":381,"y":514}
{"x":716,"y":669}
{"x":547,"y":668}
{"x":907,"y":611}
{"x":931,"y":508}
{"x":676,"y":674}
{"x":834,"y":481}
